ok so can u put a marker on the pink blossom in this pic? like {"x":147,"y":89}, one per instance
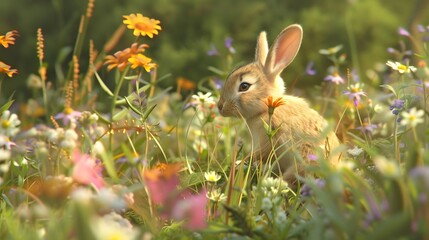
{"x":191,"y":209}
{"x":161,"y":182}
{"x":68,"y":115}
{"x":86,"y":170}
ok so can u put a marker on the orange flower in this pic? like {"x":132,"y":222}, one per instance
{"x":4,"y":68}
{"x":185,"y":84}
{"x":120,"y":58}
{"x":8,"y":38}
{"x":271,"y":103}
{"x":140,"y":60}
{"x":142,"y":25}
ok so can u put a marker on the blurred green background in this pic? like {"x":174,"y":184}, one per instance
{"x":189,"y":27}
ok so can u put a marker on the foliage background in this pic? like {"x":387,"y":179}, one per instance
{"x":191,"y":26}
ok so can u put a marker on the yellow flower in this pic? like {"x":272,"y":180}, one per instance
{"x":8,"y":38}
{"x":4,"y":68}
{"x":120,"y":58}
{"x":142,"y":25}
{"x":140,"y":60}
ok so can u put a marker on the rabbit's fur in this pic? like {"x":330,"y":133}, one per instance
{"x":245,"y":92}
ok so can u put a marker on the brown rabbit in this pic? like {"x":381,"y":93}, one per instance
{"x":300,"y":127}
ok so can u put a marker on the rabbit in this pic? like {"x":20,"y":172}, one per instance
{"x":300,"y":127}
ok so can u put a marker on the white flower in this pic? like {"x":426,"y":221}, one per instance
{"x":212,"y":176}
{"x":386,"y":167}
{"x":401,"y":68}
{"x":272,"y":186}
{"x":204,"y":100}
{"x":98,"y":148}
{"x":355,"y":151}
{"x":9,"y":124}
{"x":216,"y":196}
{"x":113,"y":227}
{"x":4,"y":154}
{"x":412,"y":118}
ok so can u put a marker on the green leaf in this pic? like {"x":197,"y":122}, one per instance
{"x":216,"y":70}
{"x":6,"y":106}
{"x":102,"y":85}
{"x":132,"y":107}
{"x":390,"y":88}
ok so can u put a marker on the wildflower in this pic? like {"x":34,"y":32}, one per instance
{"x":386,"y":167}
{"x":9,"y":124}
{"x":272,"y":186}
{"x":355,"y":151}
{"x":142,"y":25}
{"x":403,"y":32}
{"x":401,"y":68}
{"x":4,"y":68}
{"x":331,"y":51}
{"x":191,"y":209}
{"x":8,"y":38}
{"x":310,"y":69}
{"x":120,"y":58}
{"x":69,"y":139}
{"x":412,"y":118}
{"x":421,"y":28}
{"x":185,"y":84}
{"x":212,"y":176}
{"x":273,"y":104}
{"x":163,"y":177}
{"x":213,"y":51}
{"x":355,"y":92}
{"x":204,"y":100}
{"x":228,"y":45}
{"x":140,"y":60}
{"x":216,"y":196}
{"x":307,"y":191}
{"x":335,"y":78}
{"x":68,"y":115}
{"x":113,"y":226}
{"x":86,"y":170}
{"x":397,"y":106}
{"x":367,"y":127}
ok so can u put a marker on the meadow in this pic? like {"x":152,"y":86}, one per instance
{"x":111,"y":147}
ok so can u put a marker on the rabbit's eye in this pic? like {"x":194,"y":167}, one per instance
{"x":244,"y":86}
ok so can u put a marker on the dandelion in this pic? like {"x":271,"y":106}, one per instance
{"x":120,"y":58}
{"x":335,"y":78}
{"x":142,"y":25}
{"x":140,"y":60}
{"x":355,"y":92}
{"x":212,"y":176}
{"x":412,"y":118}
{"x":4,"y":68}
{"x":401,"y":68}
{"x":8,"y":38}
{"x":386,"y":167}
{"x":9,"y":124}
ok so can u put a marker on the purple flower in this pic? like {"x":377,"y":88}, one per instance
{"x":335,"y":78}
{"x":421,"y":28}
{"x":367,"y":128}
{"x":228,"y":45}
{"x":213,"y":51}
{"x":403,"y":32}
{"x":310,"y":69}
{"x":397,"y":106}
{"x":391,"y":50}
{"x":307,"y":191}
{"x":218,"y":83}
{"x":355,"y":92}
{"x":68,"y":115}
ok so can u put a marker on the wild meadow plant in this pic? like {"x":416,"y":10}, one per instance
{"x":80,"y":160}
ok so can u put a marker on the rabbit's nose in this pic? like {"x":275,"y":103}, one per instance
{"x":220,"y":105}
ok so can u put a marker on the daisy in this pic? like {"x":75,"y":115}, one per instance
{"x":401,"y":68}
{"x":412,"y":118}
{"x":140,"y":60}
{"x":142,"y":25}
{"x":355,"y":92}
{"x":335,"y":78}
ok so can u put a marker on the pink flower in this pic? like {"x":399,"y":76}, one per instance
{"x":86,"y":170}
{"x":192,"y":209}
{"x":162,"y":181}
{"x":68,"y":115}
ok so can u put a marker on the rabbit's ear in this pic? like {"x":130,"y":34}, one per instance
{"x":261,"y":48}
{"x":284,"y":50}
